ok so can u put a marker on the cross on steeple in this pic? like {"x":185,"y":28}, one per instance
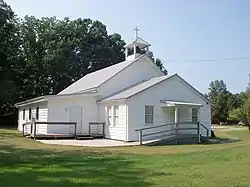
{"x":136,"y":29}
{"x":136,"y":47}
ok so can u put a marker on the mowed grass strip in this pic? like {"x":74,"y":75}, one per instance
{"x":25,"y":162}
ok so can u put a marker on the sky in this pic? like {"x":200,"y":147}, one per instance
{"x":202,"y":41}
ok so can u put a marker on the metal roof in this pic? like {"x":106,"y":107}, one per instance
{"x":137,"y":88}
{"x":131,"y":91}
{"x":138,"y":42}
{"x":95,"y":79}
{"x":46,"y":97}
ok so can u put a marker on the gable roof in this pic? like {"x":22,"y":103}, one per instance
{"x":95,"y":79}
{"x":139,"y":41}
{"x":194,"y":90}
{"x":137,"y":88}
{"x":47,"y":97}
{"x":130,"y":92}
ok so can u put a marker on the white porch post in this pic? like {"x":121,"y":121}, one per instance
{"x":176,"y":115}
{"x":176,"y":118}
{"x":198,"y":114}
{"x":198,"y":125}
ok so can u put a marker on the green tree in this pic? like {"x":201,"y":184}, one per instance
{"x":157,"y":62}
{"x":9,"y":55}
{"x":237,"y":115}
{"x":239,"y":105}
{"x":218,"y":95}
{"x":236,"y":100}
{"x":241,"y":114}
{"x":43,"y":56}
{"x":246,"y":108}
{"x":59,"y":52}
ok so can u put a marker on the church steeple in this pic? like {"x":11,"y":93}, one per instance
{"x":136,"y":47}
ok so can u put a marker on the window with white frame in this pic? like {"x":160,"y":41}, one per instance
{"x":110,"y":119}
{"x":112,"y":115}
{"x":115,"y":117}
{"x":194,"y":115}
{"x":149,"y":114}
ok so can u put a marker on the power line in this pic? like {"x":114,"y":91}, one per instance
{"x":242,"y":59}
{"x":206,"y":60}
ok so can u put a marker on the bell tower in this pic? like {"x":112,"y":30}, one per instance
{"x":136,"y":47}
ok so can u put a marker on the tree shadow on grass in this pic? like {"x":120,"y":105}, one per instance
{"x":219,"y":140}
{"x":25,"y":167}
{"x":193,"y":141}
{"x":10,"y":135}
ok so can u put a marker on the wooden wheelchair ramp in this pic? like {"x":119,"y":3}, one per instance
{"x":172,"y":134}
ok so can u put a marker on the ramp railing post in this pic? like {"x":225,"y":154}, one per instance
{"x":198,"y":132}
{"x":207,"y":133}
{"x":75,"y":130}
{"x":176,"y":127}
{"x":103,"y":130}
{"x":140,"y":137}
{"x":34,"y":123}
{"x":23,"y":130}
{"x":31,"y":129}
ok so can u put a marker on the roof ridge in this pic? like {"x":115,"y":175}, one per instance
{"x":124,"y":89}
{"x":98,"y":77}
{"x":138,"y":37}
{"x":158,"y":80}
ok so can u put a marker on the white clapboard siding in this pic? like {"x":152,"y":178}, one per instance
{"x":27,"y":129}
{"x":172,"y":89}
{"x":162,"y":116}
{"x":130,"y":76}
{"x":20,"y":120}
{"x":185,"y":114}
{"x":43,"y":116}
{"x":118,"y":132}
{"x":164,"y":131}
{"x":59,"y":111}
{"x":205,"y":119}
{"x":187,"y":125}
{"x":96,"y":128}
{"x":166,"y":116}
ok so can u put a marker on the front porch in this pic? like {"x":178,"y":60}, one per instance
{"x":183,"y":122}
{"x":181,"y":111}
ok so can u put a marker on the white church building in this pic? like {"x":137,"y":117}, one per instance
{"x":127,"y":96}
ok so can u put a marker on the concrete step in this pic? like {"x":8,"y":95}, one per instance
{"x":88,"y":136}
{"x":97,"y":135}
{"x":84,"y":138}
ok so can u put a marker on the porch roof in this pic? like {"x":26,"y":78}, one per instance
{"x":167,"y":103}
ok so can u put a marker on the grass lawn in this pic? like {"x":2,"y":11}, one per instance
{"x":24,"y":162}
